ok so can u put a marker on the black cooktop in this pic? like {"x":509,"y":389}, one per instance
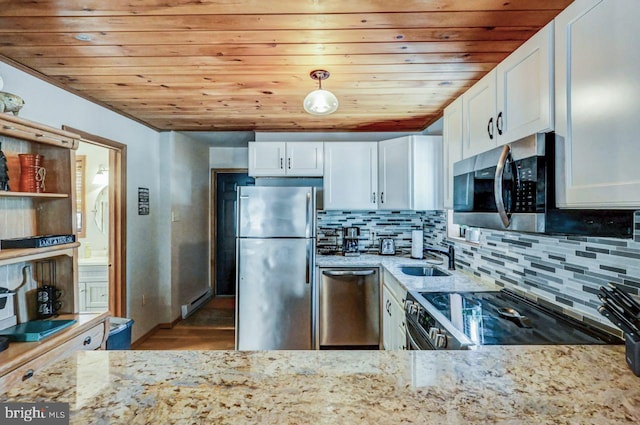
{"x":505,"y":318}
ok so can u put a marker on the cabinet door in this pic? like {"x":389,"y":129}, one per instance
{"x":452,"y":149}
{"x":82,"y":293}
{"x":598,"y":104}
{"x":267,"y":159}
{"x":305,"y":158}
{"x":525,"y":89}
{"x":97,"y":296}
{"x":479,"y":109}
{"x":397,"y":315}
{"x":350,"y":175}
{"x":389,"y":329}
{"x":394,"y":174}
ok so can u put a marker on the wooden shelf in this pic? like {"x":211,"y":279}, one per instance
{"x":32,"y":195}
{"x":11,"y":256}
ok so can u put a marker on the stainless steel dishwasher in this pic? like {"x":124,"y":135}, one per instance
{"x":349,"y":308}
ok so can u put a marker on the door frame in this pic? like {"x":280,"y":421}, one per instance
{"x":214,"y":222}
{"x":117,"y":218}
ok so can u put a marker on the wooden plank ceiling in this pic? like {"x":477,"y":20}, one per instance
{"x":244,"y":64}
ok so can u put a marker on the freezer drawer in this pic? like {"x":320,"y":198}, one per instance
{"x":349,"y":307}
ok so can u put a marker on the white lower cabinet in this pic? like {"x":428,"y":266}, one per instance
{"x":597,"y":79}
{"x":93,"y":282}
{"x":393,"y":315}
{"x":350,"y":175}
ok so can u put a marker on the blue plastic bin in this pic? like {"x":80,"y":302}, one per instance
{"x":119,"y":334}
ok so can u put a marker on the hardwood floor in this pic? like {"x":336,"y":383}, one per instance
{"x":212,"y":327}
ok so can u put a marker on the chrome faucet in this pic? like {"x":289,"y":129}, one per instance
{"x":451,"y":253}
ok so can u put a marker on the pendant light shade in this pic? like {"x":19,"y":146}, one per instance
{"x":320,"y":102}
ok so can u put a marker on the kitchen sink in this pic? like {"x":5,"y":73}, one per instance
{"x":423,"y":271}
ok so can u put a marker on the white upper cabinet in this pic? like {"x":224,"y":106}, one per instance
{"x":285,"y":159}
{"x":452,"y":147}
{"x":525,"y":89}
{"x":350,"y":175}
{"x":512,"y":101}
{"x":410,"y":173}
{"x":598,"y":104}
{"x":479,"y":125}
{"x":305,"y":158}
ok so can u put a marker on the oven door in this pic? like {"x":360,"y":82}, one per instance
{"x":415,"y":339}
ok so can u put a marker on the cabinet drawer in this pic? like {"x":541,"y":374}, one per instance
{"x":89,"y":340}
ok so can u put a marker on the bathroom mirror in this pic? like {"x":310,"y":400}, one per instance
{"x":81,"y":165}
{"x":101,"y":209}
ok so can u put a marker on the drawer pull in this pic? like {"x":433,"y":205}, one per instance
{"x":39,"y":135}
{"x":8,"y":127}
{"x":87,"y":341}
{"x":28,"y":375}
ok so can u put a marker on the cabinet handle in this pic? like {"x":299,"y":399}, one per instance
{"x":7,"y":127}
{"x":39,"y":135}
{"x":373,"y":198}
{"x":289,"y":162}
{"x":490,"y":128}
{"x":382,"y":197}
{"x":281,"y":163}
{"x":499,"y":124}
{"x":87,"y":341}
{"x":28,"y":375}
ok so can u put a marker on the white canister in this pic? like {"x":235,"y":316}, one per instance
{"x":417,"y":243}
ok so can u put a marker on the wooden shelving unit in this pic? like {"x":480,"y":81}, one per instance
{"x":52,"y":212}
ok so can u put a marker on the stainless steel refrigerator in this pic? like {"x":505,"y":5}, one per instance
{"x":274,"y":279}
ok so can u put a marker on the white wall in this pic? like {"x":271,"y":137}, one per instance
{"x":189,"y":185}
{"x":229,"y":158}
{"x":50,"y":105}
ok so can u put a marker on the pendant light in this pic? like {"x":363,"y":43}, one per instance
{"x":320,"y":102}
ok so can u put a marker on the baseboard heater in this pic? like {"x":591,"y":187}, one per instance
{"x":195,"y":303}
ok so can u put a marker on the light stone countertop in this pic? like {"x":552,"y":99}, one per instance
{"x":458,"y":281}
{"x":492,"y":385}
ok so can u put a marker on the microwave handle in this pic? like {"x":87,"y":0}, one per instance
{"x":497,"y":186}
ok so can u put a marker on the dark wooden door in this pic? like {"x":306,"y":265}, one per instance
{"x":225,"y":249}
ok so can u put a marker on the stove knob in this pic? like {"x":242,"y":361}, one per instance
{"x":410,"y":307}
{"x":433,"y":333}
{"x":441,"y":341}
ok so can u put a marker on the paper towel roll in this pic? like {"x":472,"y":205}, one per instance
{"x":416,"y":244}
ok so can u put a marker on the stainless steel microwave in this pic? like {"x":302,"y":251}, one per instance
{"x":512,"y":187}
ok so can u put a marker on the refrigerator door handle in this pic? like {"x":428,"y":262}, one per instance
{"x":308,"y":216}
{"x":309,"y":261}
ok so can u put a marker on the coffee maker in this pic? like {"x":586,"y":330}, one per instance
{"x":350,"y":241}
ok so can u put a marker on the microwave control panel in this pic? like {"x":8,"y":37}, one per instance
{"x":530,"y":185}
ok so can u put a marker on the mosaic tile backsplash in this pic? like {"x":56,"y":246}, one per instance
{"x":373,"y":226}
{"x":566,"y":271}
